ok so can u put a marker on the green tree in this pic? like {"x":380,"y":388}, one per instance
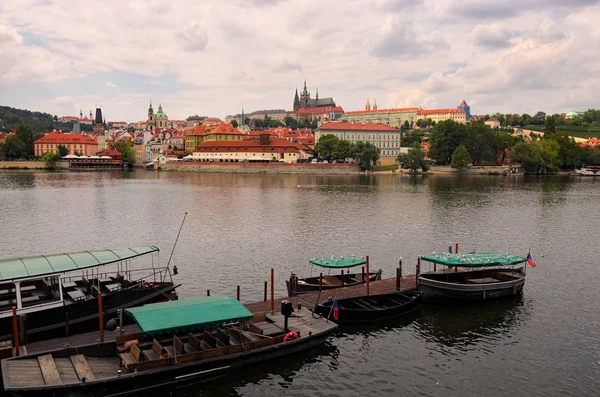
{"x":413,"y":159}
{"x":482,"y":143}
{"x":28,"y":137}
{"x":460,"y":157}
{"x":13,"y":147}
{"x":550,"y":125}
{"x":326,"y":146}
{"x":291,"y":123}
{"x":63,"y":150}
{"x":537,"y":157}
{"x":444,"y":139}
{"x":51,"y":158}
{"x":126,"y":150}
{"x":234,"y":123}
{"x":366,"y":154}
{"x":343,"y":149}
{"x":406,"y":125}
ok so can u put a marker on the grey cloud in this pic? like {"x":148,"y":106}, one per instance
{"x":548,"y":32}
{"x":8,"y":35}
{"x":287,"y":66}
{"x":492,"y":36}
{"x":508,"y":8}
{"x":396,"y":5}
{"x":193,"y":38}
{"x":402,"y":39}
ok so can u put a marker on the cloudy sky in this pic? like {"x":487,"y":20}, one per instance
{"x":213,"y":57}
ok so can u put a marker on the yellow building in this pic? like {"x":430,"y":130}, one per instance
{"x":219,"y":132}
{"x":386,"y":138}
{"x":263,"y":149}
{"x":140,"y":152}
{"x":392,"y":117}
{"x":75,"y":143}
{"x":437,"y":115}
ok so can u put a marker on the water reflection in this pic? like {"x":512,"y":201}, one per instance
{"x":17,"y":180}
{"x":463,"y":326}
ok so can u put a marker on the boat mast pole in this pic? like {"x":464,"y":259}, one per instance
{"x":174,"y":245}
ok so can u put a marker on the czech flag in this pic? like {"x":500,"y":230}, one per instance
{"x":336,"y":313}
{"x":529,"y":260}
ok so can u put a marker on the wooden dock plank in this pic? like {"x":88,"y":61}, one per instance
{"x":82,"y":368}
{"x":66,"y":371}
{"x":25,"y":372}
{"x":103,"y":367}
{"x":49,"y":370}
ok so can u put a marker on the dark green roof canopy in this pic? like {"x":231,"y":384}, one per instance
{"x":338,"y":263}
{"x":188,"y":314}
{"x":474,"y":259}
{"x":18,"y":268}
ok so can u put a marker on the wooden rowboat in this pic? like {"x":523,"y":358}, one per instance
{"x":371,"y":308}
{"x":181,"y":341}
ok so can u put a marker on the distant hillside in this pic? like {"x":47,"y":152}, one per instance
{"x":579,"y":132}
{"x":39,"y":122}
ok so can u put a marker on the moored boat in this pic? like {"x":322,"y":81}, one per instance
{"x":328,"y":281}
{"x":476,"y":276}
{"x":180,"y":341}
{"x":590,"y":170}
{"x":370,"y":308}
{"x":54,"y":294}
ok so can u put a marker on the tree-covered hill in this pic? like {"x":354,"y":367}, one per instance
{"x":39,"y":122}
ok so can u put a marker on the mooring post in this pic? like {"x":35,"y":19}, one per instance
{"x":101,"y":317}
{"x":368,"y":275}
{"x":238,"y":293}
{"x":456,"y":249}
{"x":418,"y":270}
{"x":363,"y":274}
{"x":207,"y":292}
{"x":320,"y":282}
{"x":342,"y":277}
{"x":399,"y":274}
{"x":15,"y":330}
{"x":265,"y":291}
{"x":66,"y":323}
{"x":272,"y":290}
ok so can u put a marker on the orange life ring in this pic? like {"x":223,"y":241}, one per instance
{"x":290,"y":335}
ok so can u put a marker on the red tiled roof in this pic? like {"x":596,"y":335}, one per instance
{"x":337,"y":125}
{"x":57,"y":137}
{"x":463,"y":103}
{"x":440,"y":111}
{"x":277,"y":145}
{"x":394,"y":110}
{"x":222,"y":128}
{"x":321,"y":110}
{"x":212,"y":119}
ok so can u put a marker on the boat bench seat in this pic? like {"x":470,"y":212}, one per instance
{"x":156,"y":352}
{"x":133,"y":357}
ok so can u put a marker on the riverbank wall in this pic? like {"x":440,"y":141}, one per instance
{"x":29,"y":165}
{"x":263,"y":168}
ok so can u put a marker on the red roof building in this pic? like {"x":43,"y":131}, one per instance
{"x":81,"y":143}
{"x":320,"y":113}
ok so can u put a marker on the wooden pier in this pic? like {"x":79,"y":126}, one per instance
{"x":307,"y":301}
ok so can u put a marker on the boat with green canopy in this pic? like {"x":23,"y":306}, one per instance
{"x":473,"y":276}
{"x":331,"y":280}
{"x":179,"y":341}
{"x":59,"y":292}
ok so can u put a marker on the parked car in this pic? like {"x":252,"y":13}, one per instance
{"x":314,"y":161}
{"x":325,"y":162}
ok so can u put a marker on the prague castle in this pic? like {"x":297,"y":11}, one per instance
{"x":304,"y":101}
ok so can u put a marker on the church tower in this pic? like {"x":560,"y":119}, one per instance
{"x":98,"y":123}
{"x":296,"y":102}
{"x":304,"y":97}
{"x":375,"y":104}
{"x":368,"y":105}
{"x":151,"y":122}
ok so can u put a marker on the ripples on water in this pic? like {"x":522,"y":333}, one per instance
{"x":544,"y":343}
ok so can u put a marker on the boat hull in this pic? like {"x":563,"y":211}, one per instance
{"x":376,"y":307}
{"x":453,"y":289}
{"x":196,"y":371}
{"x":83,"y":315}
{"x":312,"y":284}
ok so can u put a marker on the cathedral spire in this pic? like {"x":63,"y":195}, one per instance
{"x":296,"y":106}
{"x":368,"y":105}
{"x":305,"y":92}
{"x":375,"y":104}
{"x":317,"y":94}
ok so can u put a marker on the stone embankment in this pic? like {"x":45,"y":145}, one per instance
{"x":264,"y":168}
{"x":29,"y":165}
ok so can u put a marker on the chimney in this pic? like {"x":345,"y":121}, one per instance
{"x":265,"y":138}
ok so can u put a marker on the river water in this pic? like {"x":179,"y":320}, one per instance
{"x":543,"y":343}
